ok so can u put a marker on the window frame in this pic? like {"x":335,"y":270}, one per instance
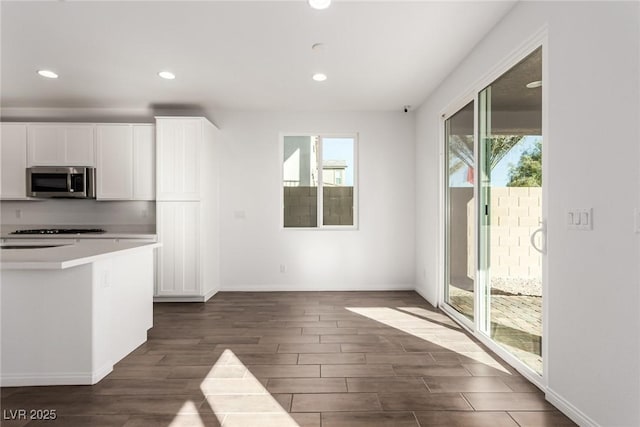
{"x":320,"y":207}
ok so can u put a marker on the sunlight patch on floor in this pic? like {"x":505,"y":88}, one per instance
{"x":188,"y":415}
{"x":430,"y":315}
{"x":238,"y":398}
{"x":431,"y":329}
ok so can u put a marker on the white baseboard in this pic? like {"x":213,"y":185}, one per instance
{"x":281,"y":288}
{"x":315,"y":288}
{"x":569,"y":410}
{"x":209,"y":294}
{"x":106,"y":370}
{"x":66,"y":378}
{"x":419,"y":292}
{"x":180,"y":299}
{"x":194,"y":298}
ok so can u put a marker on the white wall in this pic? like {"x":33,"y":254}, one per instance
{"x":379,"y":255}
{"x":592,"y":146}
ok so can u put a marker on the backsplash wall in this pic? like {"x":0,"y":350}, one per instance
{"x":77,"y":212}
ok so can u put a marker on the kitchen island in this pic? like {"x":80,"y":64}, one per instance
{"x":69,"y":312}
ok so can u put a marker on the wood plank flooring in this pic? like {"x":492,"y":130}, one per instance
{"x":330,"y":359}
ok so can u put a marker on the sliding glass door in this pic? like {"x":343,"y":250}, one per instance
{"x":510,"y":124}
{"x":460,"y":227}
{"x":506,"y":174}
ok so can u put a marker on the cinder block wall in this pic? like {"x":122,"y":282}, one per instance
{"x":300,"y":206}
{"x":337,"y":207}
{"x":515,"y":213}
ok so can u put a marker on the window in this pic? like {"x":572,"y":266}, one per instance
{"x":319,"y":181}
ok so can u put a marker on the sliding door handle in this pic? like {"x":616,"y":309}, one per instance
{"x":542,"y":230}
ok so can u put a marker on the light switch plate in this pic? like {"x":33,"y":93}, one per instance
{"x":580,"y":219}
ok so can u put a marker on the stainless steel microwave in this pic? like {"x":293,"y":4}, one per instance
{"x":61,"y":181}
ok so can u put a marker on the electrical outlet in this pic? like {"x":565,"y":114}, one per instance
{"x":283,"y":268}
{"x":18,"y":213}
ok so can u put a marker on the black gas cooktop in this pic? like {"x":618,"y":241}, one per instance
{"x":60,"y":231}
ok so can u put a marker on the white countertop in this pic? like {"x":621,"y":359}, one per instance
{"x":68,"y":255}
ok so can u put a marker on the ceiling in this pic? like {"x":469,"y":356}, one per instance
{"x":236,"y":55}
{"x":510,"y":92}
{"x":515,"y":109}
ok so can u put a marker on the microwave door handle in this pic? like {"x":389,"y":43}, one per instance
{"x":69,"y":187}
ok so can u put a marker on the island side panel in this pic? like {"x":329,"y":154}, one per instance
{"x":131,"y":309}
{"x":46,"y":325}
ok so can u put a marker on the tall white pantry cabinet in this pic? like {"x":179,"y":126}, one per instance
{"x":187,"y":165}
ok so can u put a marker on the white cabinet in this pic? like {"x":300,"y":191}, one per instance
{"x":178,"y":158}
{"x":144,"y":162}
{"x":125,"y":158}
{"x":179,"y":257}
{"x":187,"y":164}
{"x":54,"y":144}
{"x":13,"y":157}
{"x":123,"y":154}
{"x":114,"y":172}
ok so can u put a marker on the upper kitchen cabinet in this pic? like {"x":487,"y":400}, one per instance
{"x":181,"y":142}
{"x":52,"y":144}
{"x":114,"y":173}
{"x":13,"y":157}
{"x":126,"y":160}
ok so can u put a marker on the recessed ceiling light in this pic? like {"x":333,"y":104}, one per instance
{"x":319,"y":77}
{"x":167,"y":75}
{"x":533,"y":85}
{"x":319,"y":4}
{"x":48,"y":74}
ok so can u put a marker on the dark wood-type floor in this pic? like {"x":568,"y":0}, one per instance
{"x":299,"y":359}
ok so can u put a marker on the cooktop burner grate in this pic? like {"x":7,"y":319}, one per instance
{"x":60,"y":231}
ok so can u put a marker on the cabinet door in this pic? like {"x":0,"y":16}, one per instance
{"x":114,"y":174}
{"x":144,"y":162}
{"x":46,"y":145}
{"x":79,"y":145}
{"x":13,"y":155}
{"x":178,"y":258}
{"x":60,"y":145}
{"x":178,"y":164}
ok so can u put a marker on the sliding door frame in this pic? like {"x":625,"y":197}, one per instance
{"x":539,"y":39}
{"x":444,"y":209}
